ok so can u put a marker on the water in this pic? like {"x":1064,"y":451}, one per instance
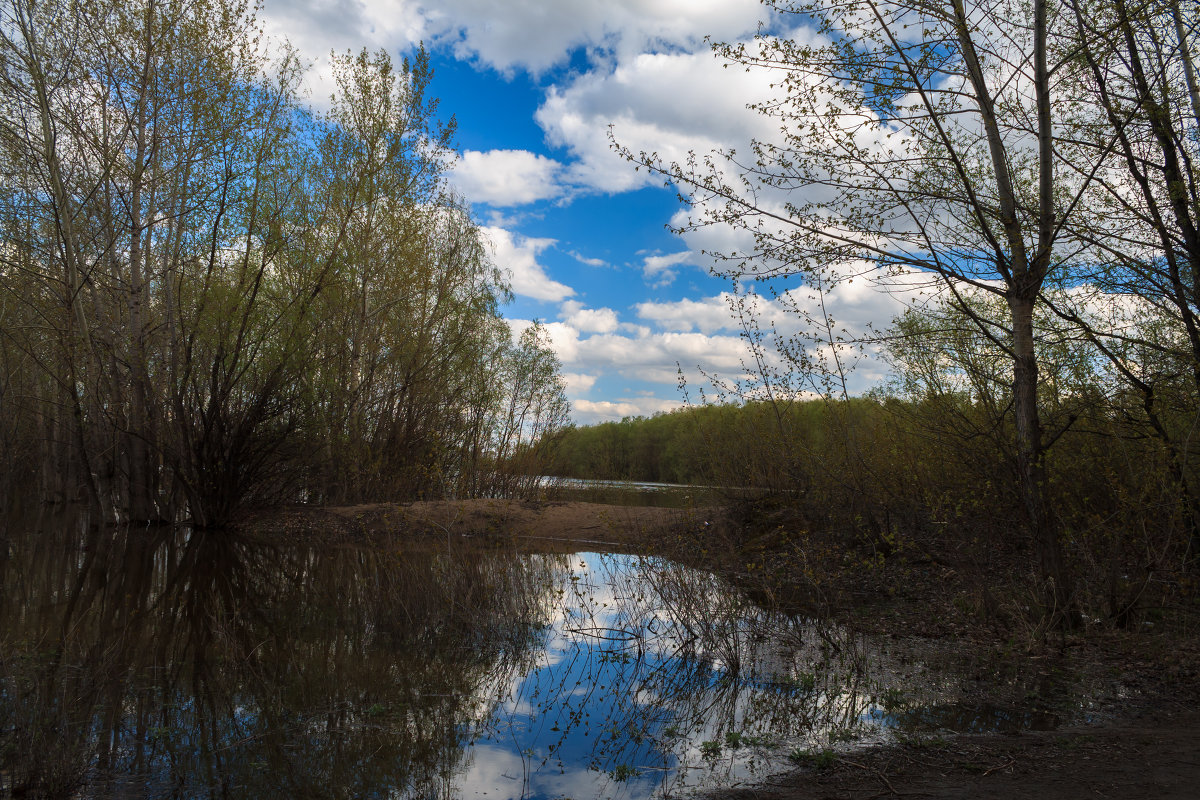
{"x":154,"y":663}
{"x":630,"y":493}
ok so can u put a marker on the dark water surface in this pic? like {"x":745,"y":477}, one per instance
{"x":171,"y":663}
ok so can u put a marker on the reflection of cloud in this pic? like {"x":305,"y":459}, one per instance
{"x":600,"y":687}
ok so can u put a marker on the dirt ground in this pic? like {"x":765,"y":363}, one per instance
{"x":1142,"y":740}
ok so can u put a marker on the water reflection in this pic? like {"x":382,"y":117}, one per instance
{"x":155,"y":663}
{"x":158,"y":663}
{"x":659,"y":678}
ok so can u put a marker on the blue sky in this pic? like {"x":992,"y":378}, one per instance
{"x":536,"y":86}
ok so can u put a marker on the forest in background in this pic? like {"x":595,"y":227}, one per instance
{"x":213,"y":295}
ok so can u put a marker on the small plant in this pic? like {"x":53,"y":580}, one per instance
{"x":820,"y":760}
{"x":710,"y":749}
{"x":623,"y":773}
{"x":733,"y":739}
{"x":754,"y":740}
{"x":805,"y":681}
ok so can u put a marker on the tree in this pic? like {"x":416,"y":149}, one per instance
{"x":211,"y":296}
{"x":915,"y":136}
{"x":532,"y":414}
{"x":1139,"y":115}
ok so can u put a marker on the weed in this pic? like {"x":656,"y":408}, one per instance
{"x":623,"y":773}
{"x":753,"y":740}
{"x":805,"y":681}
{"x":710,"y":749}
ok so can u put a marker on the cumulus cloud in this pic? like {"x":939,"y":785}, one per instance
{"x":591,"y":411}
{"x":658,"y":271}
{"x":315,"y":27}
{"x":671,"y":104}
{"x":589,"y":320}
{"x":536,"y":35}
{"x":707,"y":315}
{"x":578,"y":383}
{"x":533,"y":35}
{"x":703,"y":338}
{"x":504,"y":178}
{"x":517,"y":255}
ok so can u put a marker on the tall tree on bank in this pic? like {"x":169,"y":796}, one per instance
{"x":1139,"y":96}
{"x":913,"y":136}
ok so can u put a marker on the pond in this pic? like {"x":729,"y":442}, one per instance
{"x":154,"y":663}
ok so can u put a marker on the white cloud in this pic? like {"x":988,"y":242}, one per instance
{"x":591,"y":262}
{"x":703,"y":339}
{"x":588,"y":412}
{"x":589,"y":320}
{"x":516,"y":34}
{"x":536,"y":34}
{"x":517,"y":255}
{"x":315,"y":27}
{"x":668,"y":103}
{"x":578,"y":383}
{"x":707,"y":315}
{"x":505,"y":178}
{"x":657,"y":269}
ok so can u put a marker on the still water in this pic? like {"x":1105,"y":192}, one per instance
{"x":170,"y":663}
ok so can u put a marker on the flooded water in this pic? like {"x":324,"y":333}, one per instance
{"x":157,"y":663}
{"x":630,"y":493}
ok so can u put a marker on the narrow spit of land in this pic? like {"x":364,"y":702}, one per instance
{"x":1142,"y":739}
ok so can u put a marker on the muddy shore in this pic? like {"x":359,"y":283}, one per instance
{"x":1140,"y":740}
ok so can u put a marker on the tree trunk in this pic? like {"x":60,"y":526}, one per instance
{"x":1056,"y":584}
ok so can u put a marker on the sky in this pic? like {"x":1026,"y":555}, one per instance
{"x":540,"y":89}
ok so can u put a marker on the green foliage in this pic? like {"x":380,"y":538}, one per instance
{"x":819,"y":760}
{"x":212,"y":296}
{"x":624,"y":772}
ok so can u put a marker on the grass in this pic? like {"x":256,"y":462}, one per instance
{"x":819,"y":760}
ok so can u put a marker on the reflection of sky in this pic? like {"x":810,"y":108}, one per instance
{"x":571,"y":727}
{"x":620,"y":699}
{"x":562,"y":676}
{"x":654,"y":678}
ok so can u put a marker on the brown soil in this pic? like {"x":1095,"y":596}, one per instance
{"x":525,"y":525}
{"x":1141,"y":740}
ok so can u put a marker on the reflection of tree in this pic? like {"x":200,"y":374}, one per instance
{"x":162,"y":662}
{"x":671,"y":671}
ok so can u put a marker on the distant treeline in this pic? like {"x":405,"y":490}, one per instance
{"x":914,"y":461}
{"x":727,"y":444}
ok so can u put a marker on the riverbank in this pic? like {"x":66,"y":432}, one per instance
{"x":1134,"y":733}
{"x":552,"y":526}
